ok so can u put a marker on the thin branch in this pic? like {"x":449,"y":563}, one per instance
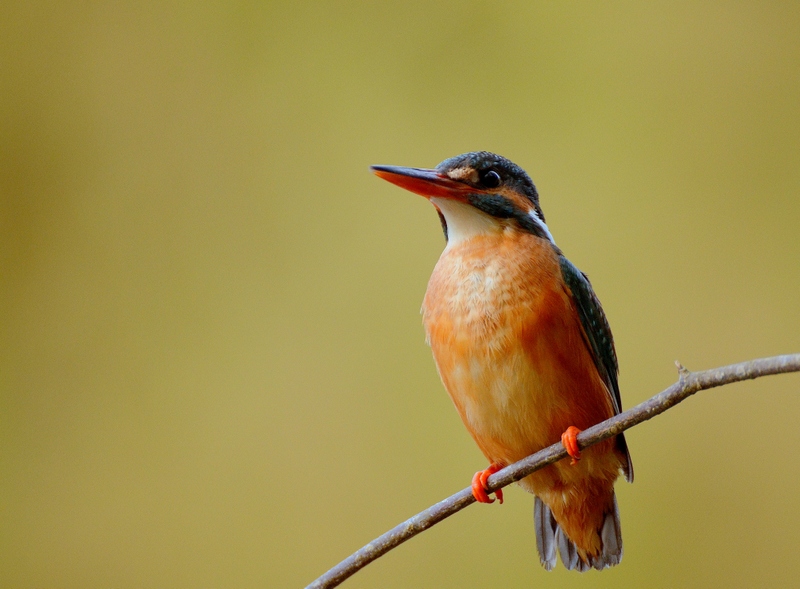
{"x":688,"y":384}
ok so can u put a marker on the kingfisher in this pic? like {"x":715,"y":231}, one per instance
{"x":524,"y":350}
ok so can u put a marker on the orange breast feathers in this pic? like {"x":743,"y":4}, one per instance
{"x":509,"y":348}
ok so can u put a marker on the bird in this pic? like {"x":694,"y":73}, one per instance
{"x":524,"y":350}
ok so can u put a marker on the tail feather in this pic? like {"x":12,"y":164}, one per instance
{"x":569,"y":553}
{"x":550,"y":538}
{"x":611,"y":537}
{"x":546,"y":526}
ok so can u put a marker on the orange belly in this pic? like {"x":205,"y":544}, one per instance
{"x":509,"y":348}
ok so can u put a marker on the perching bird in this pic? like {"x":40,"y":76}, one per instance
{"x":524,"y":350}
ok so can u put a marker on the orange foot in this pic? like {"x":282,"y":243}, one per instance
{"x":570,"y":440}
{"x":479,"y":484}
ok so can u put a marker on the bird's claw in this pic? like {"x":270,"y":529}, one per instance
{"x":570,"y":440}
{"x":479,"y":484}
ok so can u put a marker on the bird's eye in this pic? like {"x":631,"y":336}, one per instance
{"x":490,"y":179}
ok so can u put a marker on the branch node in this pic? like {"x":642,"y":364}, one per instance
{"x":683,"y":372}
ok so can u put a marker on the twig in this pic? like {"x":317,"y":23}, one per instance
{"x":688,"y":384}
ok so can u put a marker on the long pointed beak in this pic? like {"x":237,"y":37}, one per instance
{"x":424,"y":182}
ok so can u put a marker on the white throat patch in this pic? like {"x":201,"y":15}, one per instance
{"x":464,"y":221}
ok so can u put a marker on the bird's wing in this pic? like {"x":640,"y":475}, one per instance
{"x":599,"y":339}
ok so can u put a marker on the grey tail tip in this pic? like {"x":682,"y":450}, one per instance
{"x":551,"y":540}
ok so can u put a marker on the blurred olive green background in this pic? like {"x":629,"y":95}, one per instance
{"x":213,"y":366}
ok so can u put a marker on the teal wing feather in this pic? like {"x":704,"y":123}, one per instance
{"x":600,"y":342}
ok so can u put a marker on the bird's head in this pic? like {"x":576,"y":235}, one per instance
{"x":475,"y":193}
